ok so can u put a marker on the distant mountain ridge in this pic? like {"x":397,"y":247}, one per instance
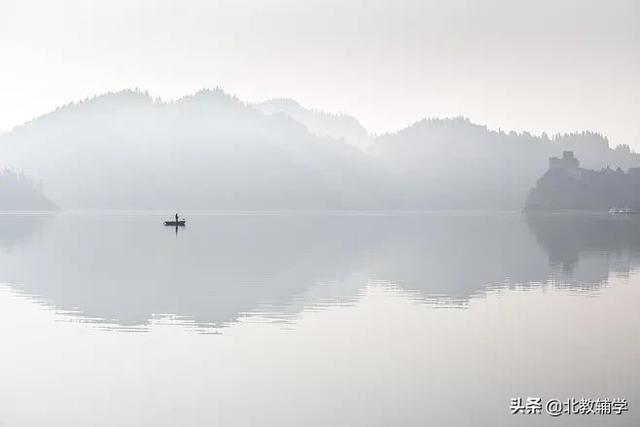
{"x":210,"y":150}
{"x":320,"y":123}
{"x":459,"y":164}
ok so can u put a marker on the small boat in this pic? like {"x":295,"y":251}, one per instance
{"x":180,"y":223}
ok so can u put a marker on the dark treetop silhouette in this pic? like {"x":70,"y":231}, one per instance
{"x":19,"y":193}
{"x":568,"y":186}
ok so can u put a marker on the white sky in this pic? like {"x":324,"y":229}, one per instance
{"x":552,"y":65}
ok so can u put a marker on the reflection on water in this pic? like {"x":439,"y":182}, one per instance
{"x":129,"y":270}
{"x":586,"y":249}
{"x":18,"y":228}
{"x":362,"y":346}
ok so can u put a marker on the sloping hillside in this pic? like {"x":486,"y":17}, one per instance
{"x":209,"y":150}
{"x":340,"y":126}
{"x":19,"y":193}
{"x":454,"y":163}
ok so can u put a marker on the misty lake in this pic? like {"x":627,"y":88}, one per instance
{"x":315,"y":319}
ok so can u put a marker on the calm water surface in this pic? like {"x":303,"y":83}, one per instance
{"x":316,"y":319}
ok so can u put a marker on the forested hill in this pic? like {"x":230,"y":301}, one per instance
{"x":210,"y":150}
{"x":340,"y":126}
{"x":18,"y":193}
{"x":567,"y":186}
{"x":454,"y":163}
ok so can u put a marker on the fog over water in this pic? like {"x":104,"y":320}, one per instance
{"x":362,"y":245}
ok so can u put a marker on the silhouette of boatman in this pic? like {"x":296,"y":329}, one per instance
{"x":176,"y":218}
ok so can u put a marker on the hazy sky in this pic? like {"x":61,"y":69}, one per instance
{"x":553,"y":65}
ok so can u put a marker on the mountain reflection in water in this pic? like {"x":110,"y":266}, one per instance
{"x":126,"y":270}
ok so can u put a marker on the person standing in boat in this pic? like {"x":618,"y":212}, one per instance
{"x":176,"y":218}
